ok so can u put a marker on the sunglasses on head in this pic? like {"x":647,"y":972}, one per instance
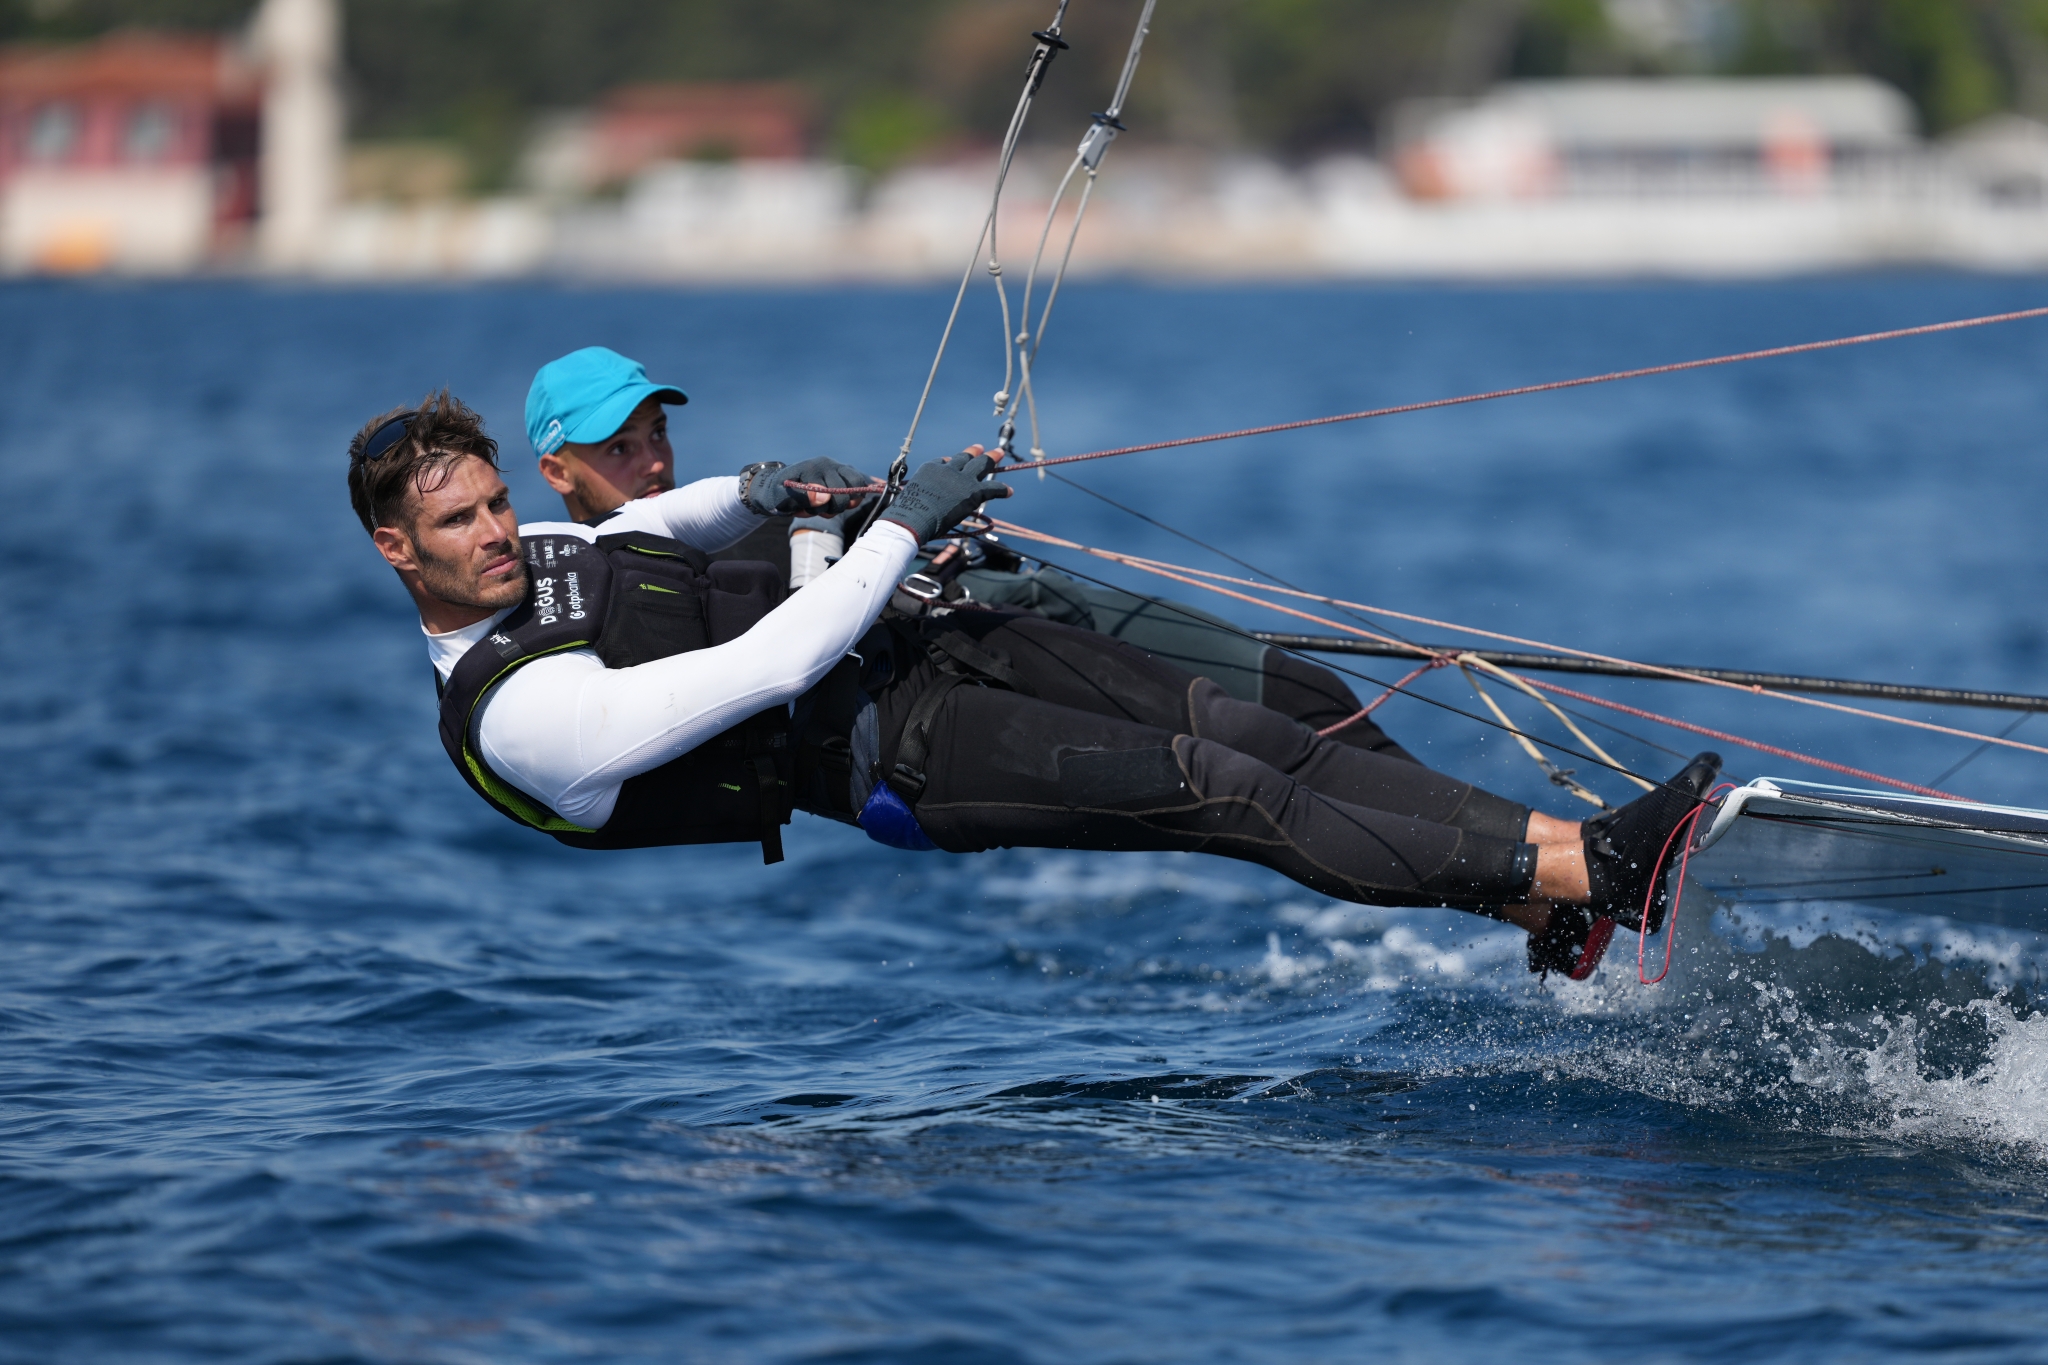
{"x":384,"y":437}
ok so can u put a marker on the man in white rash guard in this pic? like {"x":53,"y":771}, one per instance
{"x":615,"y":688}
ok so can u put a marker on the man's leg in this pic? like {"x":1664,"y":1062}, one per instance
{"x":1104,"y":747}
{"x":1319,"y":699}
{"x":1086,"y":671}
{"x":1009,"y":771}
{"x":1196,"y":641}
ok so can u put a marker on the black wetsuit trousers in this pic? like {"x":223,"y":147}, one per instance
{"x":1065,"y":738}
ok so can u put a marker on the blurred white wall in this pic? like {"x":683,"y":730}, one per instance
{"x":147,"y":220}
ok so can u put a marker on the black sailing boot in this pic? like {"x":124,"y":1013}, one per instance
{"x":1572,"y":944}
{"x":1623,"y":846}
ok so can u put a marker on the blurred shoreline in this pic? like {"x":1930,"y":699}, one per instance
{"x":1176,"y":217}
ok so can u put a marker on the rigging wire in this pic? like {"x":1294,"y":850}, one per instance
{"x":1773,"y":352}
{"x":1630,"y":735}
{"x":1220,"y":553}
{"x":1982,"y":749}
{"x":1168,"y":570}
{"x":1050,"y":45}
{"x":1102,"y":131}
{"x":1180,"y":575}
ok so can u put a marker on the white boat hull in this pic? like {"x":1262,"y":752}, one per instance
{"x":1778,"y":842}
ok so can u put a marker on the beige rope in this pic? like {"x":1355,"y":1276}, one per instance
{"x":1555,"y":773}
{"x":1474,"y":661}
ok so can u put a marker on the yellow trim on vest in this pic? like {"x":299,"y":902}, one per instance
{"x":510,"y":797}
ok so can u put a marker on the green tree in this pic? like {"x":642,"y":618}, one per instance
{"x":1293,"y":76}
{"x":1953,"y":58}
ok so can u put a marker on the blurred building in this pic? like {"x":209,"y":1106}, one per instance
{"x":1658,"y":137}
{"x":642,"y":125}
{"x":135,"y":152}
{"x":710,"y":179}
{"x":2004,"y":158}
{"x":159,"y":153}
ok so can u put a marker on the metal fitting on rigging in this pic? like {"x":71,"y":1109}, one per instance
{"x":1050,"y":45}
{"x":1100,"y":134}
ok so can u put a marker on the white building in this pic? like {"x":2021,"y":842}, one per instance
{"x":1534,"y":139}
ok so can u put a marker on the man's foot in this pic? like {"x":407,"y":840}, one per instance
{"x":1572,"y":944}
{"x":1623,"y":847}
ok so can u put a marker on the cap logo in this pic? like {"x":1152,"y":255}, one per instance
{"x":552,"y":440}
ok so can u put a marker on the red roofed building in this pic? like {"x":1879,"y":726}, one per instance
{"x":640,"y":125}
{"x":137,"y":151}
{"x":726,"y":121}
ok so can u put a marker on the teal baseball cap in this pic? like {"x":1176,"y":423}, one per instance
{"x":586,"y":396}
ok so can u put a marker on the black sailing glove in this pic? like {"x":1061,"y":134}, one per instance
{"x":763,"y":490}
{"x":943,"y":492}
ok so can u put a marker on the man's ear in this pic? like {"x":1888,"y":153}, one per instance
{"x":557,"y":474}
{"x":396,"y":547}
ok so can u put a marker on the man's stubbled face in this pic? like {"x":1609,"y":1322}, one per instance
{"x":636,"y":461}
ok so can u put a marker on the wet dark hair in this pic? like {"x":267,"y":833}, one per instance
{"x":386,"y":469}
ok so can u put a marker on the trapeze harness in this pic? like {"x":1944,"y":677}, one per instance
{"x":632,"y":598}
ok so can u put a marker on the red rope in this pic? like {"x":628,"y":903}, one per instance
{"x":1678,"y":896}
{"x":1153,"y":567}
{"x":1556,"y":384}
{"x":857,"y":490}
{"x":1759,"y":746}
{"x":1438,"y":662}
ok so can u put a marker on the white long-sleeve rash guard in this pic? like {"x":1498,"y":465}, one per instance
{"x":568,"y":731}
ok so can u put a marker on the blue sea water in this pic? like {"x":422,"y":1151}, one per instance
{"x":305,"y":1055}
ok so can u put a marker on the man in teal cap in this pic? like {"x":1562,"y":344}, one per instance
{"x":598,"y":423}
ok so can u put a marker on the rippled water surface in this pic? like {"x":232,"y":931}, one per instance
{"x":306,"y":1055}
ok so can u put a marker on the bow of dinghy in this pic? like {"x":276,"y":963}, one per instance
{"x":1780,"y":842}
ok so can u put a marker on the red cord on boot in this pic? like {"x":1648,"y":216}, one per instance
{"x":1678,"y":896}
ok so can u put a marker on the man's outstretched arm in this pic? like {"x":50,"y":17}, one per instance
{"x":716,"y":513}
{"x":568,"y":731}
{"x":707,"y":514}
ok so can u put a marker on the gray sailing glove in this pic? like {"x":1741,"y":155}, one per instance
{"x":763,"y":492}
{"x":943,"y":492}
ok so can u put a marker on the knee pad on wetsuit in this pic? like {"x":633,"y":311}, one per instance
{"x":1159,"y":781}
{"x":1278,"y":740}
{"x":1196,"y":786}
{"x":1133,"y":781}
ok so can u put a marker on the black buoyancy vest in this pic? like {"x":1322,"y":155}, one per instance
{"x":634,"y":598}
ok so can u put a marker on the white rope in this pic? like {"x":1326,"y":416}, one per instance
{"x":1123,"y":85}
{"x":1034,"y":74}
{"x":1094,"y":146}
{"x":1030,"y":281}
